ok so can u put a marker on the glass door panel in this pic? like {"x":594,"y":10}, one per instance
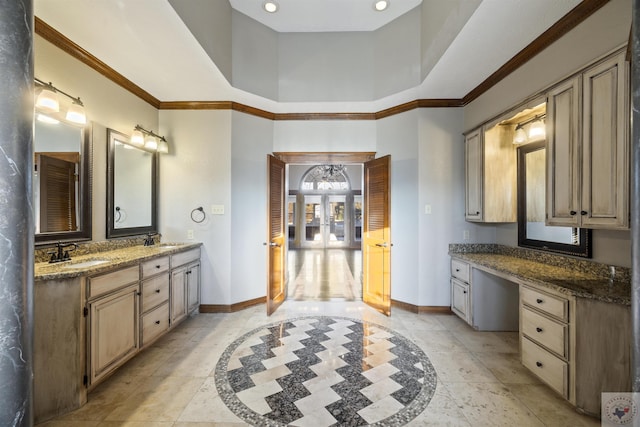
{"x":334,"y":228}
{"x":357,"y":218}
{"x":313,"y":218}
{"x":291,"y":218}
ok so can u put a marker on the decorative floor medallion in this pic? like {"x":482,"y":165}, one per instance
{"x":325,"y":371}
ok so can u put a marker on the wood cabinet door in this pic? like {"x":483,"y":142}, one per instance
{"x":178,"y":296}
{"x":605,"y":146}
{"x":114,"y":330}
{"x":563,"y":154}
{"x":473,"y":176}
{"x":193,"y":287}
{"x":460,"y":298}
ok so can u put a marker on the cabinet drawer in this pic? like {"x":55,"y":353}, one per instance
{"x":155,"y":323}
{"x":155,"y":291}
{"x":550,"y":334}
{"x":460,"y":270}
{"x":155,"y":266}
{"x":106,"y":283}
{"x":554,"y":306}
{"x":185,"y":257}
{"x":549,"y":368}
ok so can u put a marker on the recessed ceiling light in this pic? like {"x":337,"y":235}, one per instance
{"x":270,"y":6}
{"x":381,"y":5}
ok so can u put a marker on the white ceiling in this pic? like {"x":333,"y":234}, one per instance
{"x":147,"y":42}
{"x":324,"y":15}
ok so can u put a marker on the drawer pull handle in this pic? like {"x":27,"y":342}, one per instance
{"x":539,"y":301}
{"x":572,"y":213}
{"x":539,"y":364}
{"x":157,"y":291}
{"x":583,"y":212}
{"x":538,"y":329}
{"x":457,"y":270}
{"x":157,"y":322}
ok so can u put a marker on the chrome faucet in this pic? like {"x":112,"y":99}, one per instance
{"x":62,"y":253}
{"x":149,"y":240}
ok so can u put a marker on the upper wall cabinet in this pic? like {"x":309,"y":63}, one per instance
{"x":490,"y":175}
{"x":588,"y":148}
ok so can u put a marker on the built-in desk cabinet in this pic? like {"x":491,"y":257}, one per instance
{"x":588,"y":159}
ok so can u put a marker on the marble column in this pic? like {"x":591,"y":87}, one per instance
{"x":635,"y":193}
{"x":16,"y":215}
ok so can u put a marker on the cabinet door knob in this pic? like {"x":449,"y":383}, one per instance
{"x":157,"y":322}
{"x":457,"y":270}
{"x":478,"y":213}
{"x":539,"y":301}
{"x":573,"y":212}
{"x":539,"y":364}
{"x":157,"y":266}
{"x":538,"y":330}
{"x":583,"y":212}
{"x":157,"y":291}
{"x":464,"y":292}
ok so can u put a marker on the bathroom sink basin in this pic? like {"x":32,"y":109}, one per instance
{"x":169,"y":245}
{"x":84,"y":264}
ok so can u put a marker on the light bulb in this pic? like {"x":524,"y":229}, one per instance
{"x":270,"y":6}
{"x":520,"y":137}
{"x":76,"y":114}
{"x":48,"y":100}
{"x":150,"y":142}
{"x":163,"y":147}
{"x":537,"y":131}
{"x":381,"y":5}
{"x":47,"y":119}
{"x":137,"y":138}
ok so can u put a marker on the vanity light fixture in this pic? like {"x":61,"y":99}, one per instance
{"x":380,"y":5}
{"x":48,"y":101}
{"x":270,"y":6}
{"x":149,"y":140}
{"x":537,"y":130}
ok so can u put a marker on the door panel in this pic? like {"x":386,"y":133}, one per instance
{"x":276,"y":238}
{"x":376,"y":239}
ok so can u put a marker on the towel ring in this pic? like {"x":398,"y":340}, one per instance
{"x":118,"y":214}
{"x":198,"y":215}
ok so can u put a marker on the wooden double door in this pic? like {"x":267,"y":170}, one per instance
{"x":376,"y":233}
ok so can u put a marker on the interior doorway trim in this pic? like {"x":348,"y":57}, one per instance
{"x":311,"y":158}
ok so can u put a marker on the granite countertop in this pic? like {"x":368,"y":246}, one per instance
{"x":567,"y":280}
{"x":114,"y":259}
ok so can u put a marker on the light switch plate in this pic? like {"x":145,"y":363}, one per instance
{"x":427,"y":209}
{"x":217,"y":209}
{"x":189,"y":234}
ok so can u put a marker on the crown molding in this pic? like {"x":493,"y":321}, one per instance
{"x":56,"y":38}
{"x":576,"y":16}
{"x":568,"y":22}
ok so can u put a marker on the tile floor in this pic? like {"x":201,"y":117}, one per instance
{"x":172,"y":383}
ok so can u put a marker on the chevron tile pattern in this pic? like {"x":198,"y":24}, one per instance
{"x":325,"y":371}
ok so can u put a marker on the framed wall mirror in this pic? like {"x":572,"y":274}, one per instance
{"x":532,"y":231}
{"x":61,"y":181}
{"x":132,"y":185}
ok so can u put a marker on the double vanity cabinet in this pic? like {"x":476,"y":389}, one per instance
{"x":91,"y":319}
{"x":574,"y":327}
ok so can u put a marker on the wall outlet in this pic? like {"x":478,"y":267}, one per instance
{"x":465,"y":235}
{"x":427,"y":209}
{"x":217,"y":209}
{"x":190,"y":234}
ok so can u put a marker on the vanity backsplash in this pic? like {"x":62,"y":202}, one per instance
{"x":43,"y":254}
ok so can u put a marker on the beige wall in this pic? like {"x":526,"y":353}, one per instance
{"x":602,"y":33}
{"x":107,"y":106}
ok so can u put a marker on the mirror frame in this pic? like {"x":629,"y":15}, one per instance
{"x":113,"y":232}
{"x":581,"y":250}
{"x":84,"y":192}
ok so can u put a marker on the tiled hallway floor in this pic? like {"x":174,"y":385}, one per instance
{"x":480,"y":381}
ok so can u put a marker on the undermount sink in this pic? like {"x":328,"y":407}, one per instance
{"x":89,"y":263}
{"x":168,"y":245}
